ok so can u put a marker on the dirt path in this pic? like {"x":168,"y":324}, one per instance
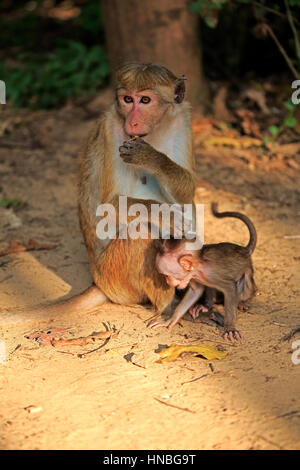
{"x":109,"y":399}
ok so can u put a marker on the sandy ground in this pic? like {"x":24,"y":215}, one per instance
{"x":117,"y":397}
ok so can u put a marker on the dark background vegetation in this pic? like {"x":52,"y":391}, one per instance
{"x":51,"y":51}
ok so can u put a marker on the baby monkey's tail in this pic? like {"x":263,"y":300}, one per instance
{"x":237,"y":215}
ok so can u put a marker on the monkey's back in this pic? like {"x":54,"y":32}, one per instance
{"x":227,"y":260}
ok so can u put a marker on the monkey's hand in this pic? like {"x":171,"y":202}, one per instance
{"x":196,"y":309}
{"x":140,"y":154}
{"x":231,"y":334}
{"x":166,"y":323}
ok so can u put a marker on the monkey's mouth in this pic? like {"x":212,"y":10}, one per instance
{"x":138,"y":135}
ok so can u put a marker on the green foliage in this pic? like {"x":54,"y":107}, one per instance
{"x":44,"y":82}
{"x":274,"y":130}
{"x":7,"y":203}
{"x":289,"y":121}
{"x":206,"y":7}
{"x":52,"y":60}
{"x":91,"y":18}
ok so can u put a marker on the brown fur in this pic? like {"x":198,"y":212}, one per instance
{"x":144,"y":76}
{"x":125,"y":270}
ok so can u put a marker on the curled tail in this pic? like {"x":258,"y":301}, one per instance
{"x":237,"y":215}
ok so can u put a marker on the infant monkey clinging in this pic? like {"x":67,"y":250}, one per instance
{"x":226,"y":267}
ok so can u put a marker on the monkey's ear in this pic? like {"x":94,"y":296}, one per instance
{"x":179,"y":89}
{"x":186,"y":262}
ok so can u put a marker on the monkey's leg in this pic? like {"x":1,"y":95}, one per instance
{"x":230,"y":305}
{"x":87,"y":300}
{"x":246,"y":289}
{"x":191,"y":296}
{"x":202,"y":311}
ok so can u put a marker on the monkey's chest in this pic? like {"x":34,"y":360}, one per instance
{"x":144,"y":185}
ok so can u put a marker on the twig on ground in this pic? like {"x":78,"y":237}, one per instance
{"x":195,"y":380}
{"x":289,"y":335}
{"x":174,"y":406}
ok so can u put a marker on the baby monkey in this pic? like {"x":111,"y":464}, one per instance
{"x":225,"y":267}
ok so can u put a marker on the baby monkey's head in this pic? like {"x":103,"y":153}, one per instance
{"x":175,"y":261}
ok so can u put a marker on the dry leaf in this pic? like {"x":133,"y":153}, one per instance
{"x":250,"y":127}
{"x":228,"y":142}
{"x":293,"y":164}
{"x":46,"y":337}
{"x":53,"y":336}
{"x":17,"y":247}
{"x":259,"y":97}
{"x":287,"y":150}
{"x":203,"y":125}
{"x":83,"y":340}
{"x":175,"y":350}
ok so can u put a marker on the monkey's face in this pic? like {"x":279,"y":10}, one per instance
{"x":142,"y":110}
{"x":176,"y":276}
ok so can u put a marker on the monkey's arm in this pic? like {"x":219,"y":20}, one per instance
{"x":191,"y":296}
{"x":90,"y":188}
{"x":176,"y":181}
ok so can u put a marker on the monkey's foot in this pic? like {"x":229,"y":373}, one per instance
{"x":243,"y":306}
{"x":232,"y":334}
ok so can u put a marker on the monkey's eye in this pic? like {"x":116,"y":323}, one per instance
{"x":145,"y":99}
{"x":128,"y":99}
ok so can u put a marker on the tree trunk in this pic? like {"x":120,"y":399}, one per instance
{"x":156,"y":31}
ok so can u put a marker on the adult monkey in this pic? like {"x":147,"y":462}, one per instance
{"x":156,"y":167}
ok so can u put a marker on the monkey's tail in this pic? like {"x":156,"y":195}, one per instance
{"x":88,"y":300}
{"x":237,"y":215}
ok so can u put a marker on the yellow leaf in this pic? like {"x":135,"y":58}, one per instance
{"x":112,"y":351}
{"x":245,"y":142}
{"x":175,"y":350}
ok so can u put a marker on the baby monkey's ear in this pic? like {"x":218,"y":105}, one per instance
{"x":186,"y":262}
